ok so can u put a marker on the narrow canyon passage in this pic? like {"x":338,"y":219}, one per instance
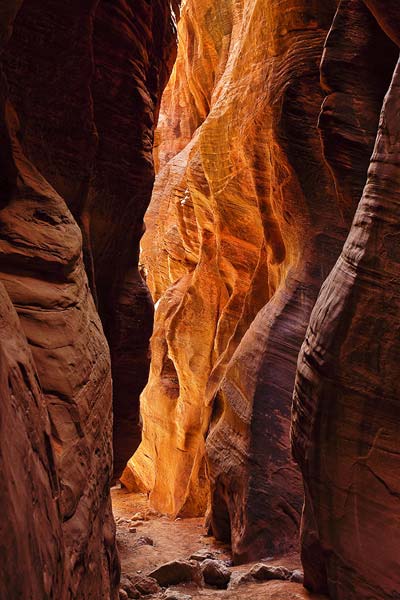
{"x":199,"y":299}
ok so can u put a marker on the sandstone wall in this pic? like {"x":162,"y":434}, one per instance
{"x":72,"y":154}
{"x":86,"y":79}
{"x":345,"y":429}
{"x":29,"y":527}
{"x":244,"y":215}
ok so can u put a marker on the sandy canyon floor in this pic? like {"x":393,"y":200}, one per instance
{"x":147,"y":540}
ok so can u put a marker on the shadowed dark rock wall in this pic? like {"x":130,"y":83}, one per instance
{"x":76,"y":122}
{"x":86,"y":79}
{"x":345,"y":430}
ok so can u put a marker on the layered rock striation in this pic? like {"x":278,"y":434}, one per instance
{"x":86,"y":79}
{"x":75,"y":177}
{"x":243,"y":227}
{"x":345,"y":430}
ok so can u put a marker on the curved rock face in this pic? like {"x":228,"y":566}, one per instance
{"x":256,"y":491}
{"x":243,"y":204}
{"x":356,"y":69}
{"x":59,"y":167}
{"x":30,"y":528}
{"x":345,"y":430}
{"x":86,"y":79}
{"x":42,"y":270}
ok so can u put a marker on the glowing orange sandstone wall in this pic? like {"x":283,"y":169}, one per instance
{"x":243,"y":216}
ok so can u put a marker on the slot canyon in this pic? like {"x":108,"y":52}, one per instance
{"x":199,"y":299}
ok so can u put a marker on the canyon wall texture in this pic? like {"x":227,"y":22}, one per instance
{"x":79,"y":92}
{"x":86,"y":80}
{"x":29,"y":527}
{"x":345,"y":429}
{"x":244,"y":217}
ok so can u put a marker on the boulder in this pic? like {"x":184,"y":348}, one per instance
{"x":216,"y":573}
{"x":178,"y":571}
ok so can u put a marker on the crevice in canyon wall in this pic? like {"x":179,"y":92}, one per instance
{"x":345,"y":430}
{"x":265,"y":270}
{"x":251,"y":207}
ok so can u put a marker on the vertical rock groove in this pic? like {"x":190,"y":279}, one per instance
{"x":86,"y":79}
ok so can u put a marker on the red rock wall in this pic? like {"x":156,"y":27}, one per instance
{"x":345,"y":430}
{"x":256,"y":489}
{"x":86,"y":79}
{"x":70,"y":104}
{"x":243,"y":204}
{"x":30,"y":529}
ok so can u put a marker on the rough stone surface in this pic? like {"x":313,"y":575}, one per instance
{"x":177,"y":571}
{"x":243,"y":203}
{"x":297,"y":576}
{"x":146,"y":585}
{"x":345,"y":429}
{"x":71,"y":526}
{"x":202,"y":555}
{"x":262,"y":572}
{"x":62,"y":141}
{"x":215,"y":573}
{"x":86,"y":78}
{"x":42,"y":270}
{"x":176,"y":596}
{"x":30,"y":530}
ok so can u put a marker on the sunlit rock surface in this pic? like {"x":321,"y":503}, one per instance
{"x":345,"y":419}
{"x":244,"y":215}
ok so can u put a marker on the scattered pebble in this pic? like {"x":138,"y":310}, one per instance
{"x":144,"y":541}
{"x":201,"y":555}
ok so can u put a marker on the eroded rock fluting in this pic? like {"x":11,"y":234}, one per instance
{"x":244,"y":216}
{"x":345,"y":417}
{"x":78,"y":102}
{"x":86,"y":79}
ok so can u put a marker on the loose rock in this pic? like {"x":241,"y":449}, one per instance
{"x":297,"y":577}
{"x":176,"y":596}
{"x":261,"y":572}
{"x":178,"y":571}
{"x":202,"y":554}
{"x":128,"y":587}
{"x":216,"y":573}
{"x":144,"y":541}
{"x":145,"y":585}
